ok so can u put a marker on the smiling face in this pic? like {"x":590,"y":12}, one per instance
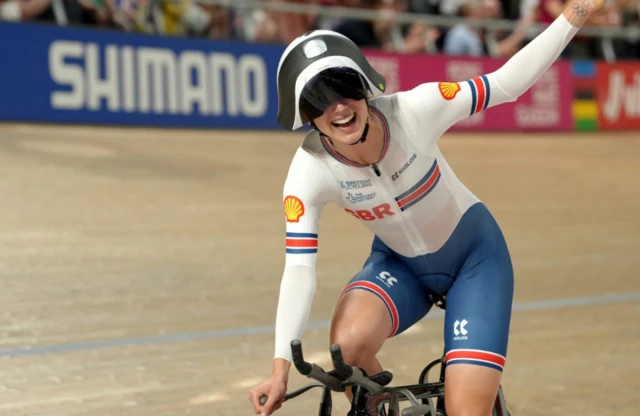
{"x":335,"y":100}
{"x":344,"y":120}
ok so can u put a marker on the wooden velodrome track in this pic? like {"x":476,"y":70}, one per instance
{"x":140,"y":270}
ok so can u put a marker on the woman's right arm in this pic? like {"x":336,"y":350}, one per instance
{"x":309,"y":186}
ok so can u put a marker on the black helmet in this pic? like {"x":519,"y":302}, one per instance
{"x":317,"y":69}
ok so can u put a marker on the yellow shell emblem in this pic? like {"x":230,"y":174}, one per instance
{"x":449,"y":90}
{"x":293,"y":208}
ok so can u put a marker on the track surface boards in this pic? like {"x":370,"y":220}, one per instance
{"x":141,"y":270}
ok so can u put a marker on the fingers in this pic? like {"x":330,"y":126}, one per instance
{"x":254,"y":398}
{"x":272,"y":404}
{"x":271,"y":392}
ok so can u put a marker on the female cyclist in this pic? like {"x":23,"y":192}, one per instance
{"x":377,"y":157}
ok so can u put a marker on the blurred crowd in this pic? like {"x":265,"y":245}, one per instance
{"x":228,"y":20}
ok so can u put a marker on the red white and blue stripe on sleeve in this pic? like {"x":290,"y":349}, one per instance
{"x":480,"y":93}
{"x":302,"y":243}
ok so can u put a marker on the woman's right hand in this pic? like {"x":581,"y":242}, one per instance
{"x":274,"y":388}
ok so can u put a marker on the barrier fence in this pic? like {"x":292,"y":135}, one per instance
{"x":91,"y":76}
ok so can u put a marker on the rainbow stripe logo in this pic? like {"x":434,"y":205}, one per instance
{"x":585,"y":105}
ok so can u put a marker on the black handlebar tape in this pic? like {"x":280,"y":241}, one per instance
{"x":303,"y":367}
{"x":343,"y":370}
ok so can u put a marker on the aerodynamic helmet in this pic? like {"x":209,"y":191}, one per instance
{"x":317,"y":69}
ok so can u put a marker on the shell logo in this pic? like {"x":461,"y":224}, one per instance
{"x":449,"y":90}
{"x":293,"y":208}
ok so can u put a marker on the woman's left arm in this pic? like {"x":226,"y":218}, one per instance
{"x":527,"y":66}
{"x":435,"y":107}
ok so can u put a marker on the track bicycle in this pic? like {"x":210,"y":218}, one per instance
{"x":425,"y":398}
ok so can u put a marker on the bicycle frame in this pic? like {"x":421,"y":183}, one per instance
{"x":424,"y":391}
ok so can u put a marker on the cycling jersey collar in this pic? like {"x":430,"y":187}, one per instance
{"x":385,"y":141}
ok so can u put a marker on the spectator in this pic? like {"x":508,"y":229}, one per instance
{"x":21,"y":11}
{"x":292,"y":25}
{"x":219,"y":23}
{"x":420,"y":37}
{"x":468,"y":41}
{"x":501,"y":45}
{"x":406,"y":38}
{"x":129,"y":15}
{"x":274,"y":27}
{"x":181,"y":17}
{"x":630,"y":13}
{"x":262,"y":26}
{"x":463,"y":40}
{"x":96,"y":12}
{"x":62,"y":12}
{"x":369,"y":34}
{"x":192,"y":18}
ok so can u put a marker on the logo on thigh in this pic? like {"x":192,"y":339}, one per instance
{"x":387,"y":279}
{"x":459,"y":330}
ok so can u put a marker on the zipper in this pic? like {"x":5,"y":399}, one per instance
{"x":414,"y":238}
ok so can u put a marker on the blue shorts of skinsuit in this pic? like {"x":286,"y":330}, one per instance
{"x":473,"y":269}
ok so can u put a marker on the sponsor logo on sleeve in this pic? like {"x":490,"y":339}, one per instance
{"x":449,"y":90}
{"x":293,"y":208}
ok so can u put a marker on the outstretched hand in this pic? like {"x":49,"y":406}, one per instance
{"x":578,"y":11}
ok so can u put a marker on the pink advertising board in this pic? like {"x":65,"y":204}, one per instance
{"x":546,"y":106}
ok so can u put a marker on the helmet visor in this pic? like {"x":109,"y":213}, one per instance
{"x":328,"y":87}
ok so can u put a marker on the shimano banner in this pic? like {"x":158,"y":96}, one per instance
{"x":54,"y":74}
{"x":94,"y":76}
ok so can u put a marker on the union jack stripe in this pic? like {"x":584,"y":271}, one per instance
{"x":420,"y":189}
{"x":485,"y":358}
{"x":302,"y":243}
{"x":391,"y":306}
{"x":480,"y":94}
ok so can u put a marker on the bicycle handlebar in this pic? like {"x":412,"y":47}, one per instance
{"x":343,"y":370}
{"x":311,"y":371}
{"x":352,"y":375}
{"x":345,"y":375}
{"x":303,"y":367}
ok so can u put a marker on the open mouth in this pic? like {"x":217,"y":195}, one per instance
{"x":345,"y":122}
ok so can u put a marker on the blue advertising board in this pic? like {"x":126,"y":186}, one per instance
{"x":93,"y":76}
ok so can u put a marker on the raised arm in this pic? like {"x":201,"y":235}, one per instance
{"x":527,"y":66}
{"x":437,"y":106}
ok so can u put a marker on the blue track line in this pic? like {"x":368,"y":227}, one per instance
{"x":260,"y":330}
